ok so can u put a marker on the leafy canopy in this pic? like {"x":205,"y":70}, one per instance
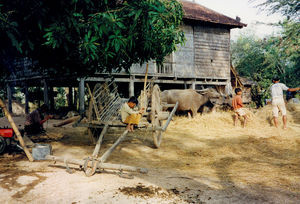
{"x":261,"y":59}
{"x":288,"y":8}
{"x":83,"y":37}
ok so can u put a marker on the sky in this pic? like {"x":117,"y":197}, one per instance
{"x":248,"y":14}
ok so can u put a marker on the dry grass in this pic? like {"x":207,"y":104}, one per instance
{"x":259,"y":154}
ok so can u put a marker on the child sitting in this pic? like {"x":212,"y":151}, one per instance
{"x":129,"y":115}
{"x":237,"y":105}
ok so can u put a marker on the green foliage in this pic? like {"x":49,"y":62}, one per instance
{"x":60,"y":99}
{"x":289,"y":8}
{"x":84,"y":37}
{"x":261,"y":59}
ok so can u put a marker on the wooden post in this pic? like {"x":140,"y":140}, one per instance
{"x":9,"y":98}
{"x":81,"y":96}
{"x":26,"y":99}
{"x":16,"y":130}
{"x":93,"y":101}
{"x":51,"y":98}
{"x":70,"y":97}
{"x":131,"y":86}
{"x":46,"y":96}
{"x":39,"y":100}
{"x":145,"y":85}
{"x":193,"y":86}
{"x":109,"y":151}
{"x":75,"y":98}
{"x":90,"y":171}
{"x":98,"y":145}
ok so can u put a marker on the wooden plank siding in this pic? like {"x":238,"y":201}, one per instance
{"x":212,"y":52}
{"x":184,"y":56}
{"x":205,"y":54}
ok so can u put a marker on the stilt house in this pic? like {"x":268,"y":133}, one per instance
{"x":203,"y":61}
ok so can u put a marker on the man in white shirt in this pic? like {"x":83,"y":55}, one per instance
{"x":278,"y":101}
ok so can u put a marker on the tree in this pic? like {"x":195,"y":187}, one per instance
{"x":288,"y":45}
{"x":261,"y":59}
{"x":289,"y":8}
{"x":88,"y":36}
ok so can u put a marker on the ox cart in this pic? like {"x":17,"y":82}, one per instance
{"x":103,"y":113}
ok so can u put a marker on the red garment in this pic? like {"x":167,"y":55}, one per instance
{"x":237,"y":102}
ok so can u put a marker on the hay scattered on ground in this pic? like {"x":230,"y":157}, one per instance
{"x":258,"y":119}
{"x":258,"y":154}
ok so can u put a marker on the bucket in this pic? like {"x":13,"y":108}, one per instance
{"x":40,"y":151}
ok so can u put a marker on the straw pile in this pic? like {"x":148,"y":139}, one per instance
{"x":259,"y":153}
{"x":258,"y":119}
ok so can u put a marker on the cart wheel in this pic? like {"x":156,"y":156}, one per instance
{"x":155,"y":109}
{"x":157,"y":134}
{"x":2,"y":144}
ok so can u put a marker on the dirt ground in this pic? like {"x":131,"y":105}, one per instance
{"x":201,"y":160}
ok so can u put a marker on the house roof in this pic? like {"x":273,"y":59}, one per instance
{"x":194,"y":11}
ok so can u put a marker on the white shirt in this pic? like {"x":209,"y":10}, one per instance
{"x":277,"y":90}
{"x":127,"y":111}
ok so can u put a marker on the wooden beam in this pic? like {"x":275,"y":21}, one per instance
{"x":170,"y":117}
{"x":16,"y":130}
{"x":67,"y":121}
{"x":81,"y":96}
{"x":98,"y":145}
{"x":131,"y":86}
{"x":100,"y":165}
{"x":46,"y":93}
{"x":9,"y":98}
{"x":26,"y":99}
{"x":111,"y":149}
{"x":51,"y":98}
{"x":70,"y":96}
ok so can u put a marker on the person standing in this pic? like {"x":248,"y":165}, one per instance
{"x":237,"y":104}
{"x":277,"y":100}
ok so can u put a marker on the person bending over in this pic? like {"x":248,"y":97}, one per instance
{"x":129,"y":115}
{"x":34,"y":121}
{"x":237,"y":104}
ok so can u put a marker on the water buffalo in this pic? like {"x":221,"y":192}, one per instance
{"x":189,"y":99}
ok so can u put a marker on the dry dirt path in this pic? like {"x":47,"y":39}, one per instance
{"x":201,"y":160}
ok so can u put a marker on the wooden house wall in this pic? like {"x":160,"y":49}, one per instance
{"x":205,"y":54}
{"x":212,"y":52}
{"x":184,"y":56}
{"x":137,"y":69}
{"x":178,"y":64}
